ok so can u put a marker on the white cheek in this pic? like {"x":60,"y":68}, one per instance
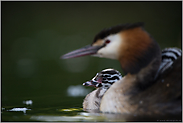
{"x":108,"y":53}
{"x":111,"y":50}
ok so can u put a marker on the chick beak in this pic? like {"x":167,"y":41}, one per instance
{"x":87,"y":50}
{"x":91,"y":83}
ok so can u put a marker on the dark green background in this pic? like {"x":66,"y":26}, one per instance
{"x":36,"y":34}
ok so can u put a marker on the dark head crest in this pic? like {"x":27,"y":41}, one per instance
{"x":115,"y":29}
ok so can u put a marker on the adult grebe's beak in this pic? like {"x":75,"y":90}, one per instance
{"x":87,"y":50}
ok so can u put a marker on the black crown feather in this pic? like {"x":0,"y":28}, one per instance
{"x":115,"y":29}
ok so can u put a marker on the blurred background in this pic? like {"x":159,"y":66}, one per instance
{"x":36,"y":34}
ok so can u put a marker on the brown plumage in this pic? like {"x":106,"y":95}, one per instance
{"x":139,"y":92}
{"x":162,"y":97}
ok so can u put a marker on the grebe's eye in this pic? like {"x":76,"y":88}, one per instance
{"x":99,"y":79}
{"x":107,"y":41}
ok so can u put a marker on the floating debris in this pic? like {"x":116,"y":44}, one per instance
{"x":19,"y":109}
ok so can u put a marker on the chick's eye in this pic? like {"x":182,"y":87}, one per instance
{"x":107,"y":41}
{"x":99,"y":79}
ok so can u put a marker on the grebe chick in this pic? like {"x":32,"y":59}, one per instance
{"x":102,"y":82}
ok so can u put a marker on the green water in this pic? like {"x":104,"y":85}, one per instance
{"x":36,"y":34}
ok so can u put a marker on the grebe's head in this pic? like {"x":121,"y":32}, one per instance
{"x":104,"y":79}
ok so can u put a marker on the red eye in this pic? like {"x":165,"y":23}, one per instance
{"x":99,"y":79}
{"x":107,"y":41}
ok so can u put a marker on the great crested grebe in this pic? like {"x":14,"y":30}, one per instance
{"x":138,"y":92}
{"x":104,"y":79}
{"x":102,"y":82}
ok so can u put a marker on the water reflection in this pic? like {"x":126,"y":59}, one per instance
{"x":80,"y":116}
{"x":28,"y":102}
{"x":71,"y":109}
{"x":77,"y":114}
{"x":61,"y":118}
{"x":76,"y":91}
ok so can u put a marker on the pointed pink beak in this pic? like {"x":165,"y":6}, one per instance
{"x":84,"y":51}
